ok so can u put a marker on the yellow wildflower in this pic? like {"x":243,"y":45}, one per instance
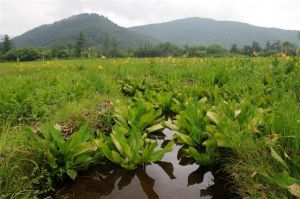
{"x":100,"y":67}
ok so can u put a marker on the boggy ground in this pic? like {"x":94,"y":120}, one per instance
{"x":175,"y":176}
{"x":247,"y":110}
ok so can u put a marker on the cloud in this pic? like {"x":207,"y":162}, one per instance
{"x":19,"y":16}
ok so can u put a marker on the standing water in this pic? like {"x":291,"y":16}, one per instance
{"x":174,"y":177}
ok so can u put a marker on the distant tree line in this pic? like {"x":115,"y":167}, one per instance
{"x":110,"y":48}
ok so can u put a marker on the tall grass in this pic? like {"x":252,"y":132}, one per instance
{"x":22,"y":171}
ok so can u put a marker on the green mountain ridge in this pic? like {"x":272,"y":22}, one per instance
{"x":203,"y":31}
{"x":190,"y":31}
{"x":95,"y":28}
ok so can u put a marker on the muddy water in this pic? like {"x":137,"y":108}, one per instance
{"x":174,"y":177}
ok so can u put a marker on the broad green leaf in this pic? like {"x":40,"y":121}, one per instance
{"x":156,"y":127}
{"x":284,"y":180}
{"x":221,"y":142}
{"x":147,"y":151}
{"x":116,"y":157}
{"x":146,"y":120}
{"x":116,"y":142}
{"x":211,"y":129}
{"x":155,"y":156}
{"x":82,"y":159}
{"x":170,"y":125}
{"x":129,"y":166}
{"x":51,"y":160}
{"x":201,"y":158}
{"x":186,"y":139}
{"x":77,"y":138}
{"x":275,"y":155}
{"x":210,"y":144}
{"x":169,"y":146}
{"x":107,"y":152}
{"x":84,"y":148}
{"x":72,"y":173}
{"x":213,"y":117}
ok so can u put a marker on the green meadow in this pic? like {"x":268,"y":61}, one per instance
{"x":58,"y":118}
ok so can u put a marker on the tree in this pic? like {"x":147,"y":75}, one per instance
{"x":196,"y":51}
{"x":6,"y":44}
{"x":114,"y":51}
{"x":107,"y":45}
{"x":167,"y":49}
{"x":70,"y":48}
{"x":276,"y":46}
{"x":215,"y":49}
{"x":186,"y":50}
{"x":144,"y":51}
{"x":233,"y":49}
{"x":289,"y":48}
{"x":247,"y":50}
{"x":79,"y":45}
{"x":22,"y":54}
{"x":268,"y":50}
{"x":59,"y":52}
{"x":268,"y":46}
{"x":256,"y":47}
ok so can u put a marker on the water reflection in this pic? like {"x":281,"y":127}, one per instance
{"x":175,"y":176}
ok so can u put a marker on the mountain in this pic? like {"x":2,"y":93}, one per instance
{"x":95,"y":29}
{"x":190,"y":31}
{"x":202,"y":31}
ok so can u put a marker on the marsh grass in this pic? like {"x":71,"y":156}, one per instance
{"x":22,"y":168}
{"x":71,"y":91}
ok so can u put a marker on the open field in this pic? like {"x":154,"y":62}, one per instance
{"x":241,"y":115}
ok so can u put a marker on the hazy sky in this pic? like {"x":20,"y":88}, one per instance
{"x":19,"y":16}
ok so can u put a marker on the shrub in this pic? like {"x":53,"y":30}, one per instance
{"x":22,"y":54}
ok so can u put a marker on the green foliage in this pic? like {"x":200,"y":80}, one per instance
{"x":241,"y":112}
{"x":67,"y":156}
{"x":275,"y":61}
{"x":23,"y":172}
{"x":22,"y":54}
{"x":233,"y":49}
{"x":160,"y":50}
{"x":57,"y":52}
{"x":192,"y":122}
{"x":24,"y":99}
{"x":140,"y":115}
{"x":79,"y":45}
{"x":191,"y":128}
{"x":6,"y":45}
{"x":162,"y":100}
{"x":132,"y":148}
{"x":203,"y":159}
{"x":128,"y":144}
{"x":129,"y":86}
{"x":215,"y":49}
